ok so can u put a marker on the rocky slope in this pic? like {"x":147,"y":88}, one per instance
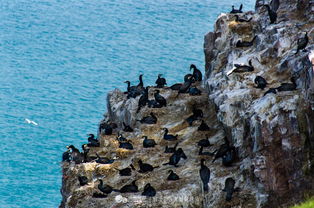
{"x":273,"y":134}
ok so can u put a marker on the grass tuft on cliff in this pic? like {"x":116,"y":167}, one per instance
{"x":308,"y":204}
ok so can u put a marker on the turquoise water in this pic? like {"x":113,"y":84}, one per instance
{"x":58,"y":60}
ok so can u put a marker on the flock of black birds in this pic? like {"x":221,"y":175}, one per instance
{"x":226,"y":151}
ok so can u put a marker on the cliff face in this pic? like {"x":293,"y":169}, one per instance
{"x":273,"y":134}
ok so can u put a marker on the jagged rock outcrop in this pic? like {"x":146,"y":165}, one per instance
{"x":274,"y":133}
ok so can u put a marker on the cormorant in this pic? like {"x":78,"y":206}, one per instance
{"x":205,"y":175}
{"x":172,"y":176}
{"x":83,"y":180}
{"x":234,"y":11}
{"x":145,"y":167}
{"x":149,"y":191}
{"x":160,"y":99}
{"x":229,"y":188}
{"x":133,"y":91}
{"x":260,"y":82}
{"x":243,"y":68}
{"x":86,"y":158}
{"x":223,"y":149}
{"x":195,"y":91}
{"x":200,"y":152}
{"x":92,"y":142}
{"x":171,"y":149}
{"x":76,"y":156}
{"x":185,"y":87}
{"x":272,"y":14}
{"x":271,"y":90}
{"x":241,"y":43}
{"x":154,"y":104}
{"x":103,"y":160}
{"x":66,"y":156}
{"x":140,"y":84}
{"x":229,"y":157}
{"x":105,"y":128}
{"x":176,"y":86}
{"x":302,"y":42}
{"x":161,"y":82}
{"x":204,"y":142}
{"x":143,"y":100}
{"x":130,"y":188}
{"x":127,"y":128}
{"x":197,"y":74}
{"x":126,"y":171}
{"x":152,"y":119}
{"x":197,"y":114}
{"x":203,"y":127}
{"x":175,"y":157}
{"x":147,"y":143}
{"x":126,"y":145}
{"x":238,"y":19}
{"x":188,"y":77}
{"x":121,"y":138}
{"x":106,"y":189}
{"x":288,"y":86}
{"x":169,"y":137}
{"x":274,"y":4}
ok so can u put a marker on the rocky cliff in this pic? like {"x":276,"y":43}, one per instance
{"x":273,"y":134}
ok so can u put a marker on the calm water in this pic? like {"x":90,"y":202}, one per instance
{"x":58,"y":61}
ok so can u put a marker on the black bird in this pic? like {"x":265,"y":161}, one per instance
{"x":272,"y":14}
{"x":132,"y":91}
{"x":160,"y":99}
{"x":130,"y":88}
{"x":127,"y":128}
{"x":76,"y":156}
{"x":143,"y":100}
{"x":234,"y":11}
{"x":172,"y":176}
{"x":238,"y":19}
{"x":152,"y":119}
{"x":145,"y":167}
{"x":83,"y":180}
{"x":171,"y":149}
{"x":274,"y":4}
{"x":130,"y":188}
{"x":176,"y":86}
{"x":149,"y":191}
{"x":288,"y":86}
{"x":121,"y":138}
{"x":204,"y":142}
{"x":189,"y":77}
{"x":197,"y":74}
{"x":260,"y":82}
{"x":203,"y":127}
{"x":205,"y":175}
{"x":200,"y":152}
{"x":271,"y":90}
{"x":241,"y":43}
{"x":106,"y":189}
{"x":161,"y":82}
{"x":92,"y":142}
{"x":66,"y":156}
{"x":243,"y":68}
{"x":103,"y":160}
{"x":229,"y":188}
{"x":105,"y":128}
{"x":223,"y":149}
{"x":175,"y":157}
{"x":147,"y":143}
{"x":302,"y":43}
{"x":197,"y":114}
{"x":99,"y":195}
{"x":195,"y":91}
{"x":140,"y":84}
{"x":229,"y":157}
{"x":126,"y":145}
{"x":169,"y":137}
{"x":153,"y":104}
{"x":126,"y":171}
{"x":87,"y":158}
{"x":185,"y":87}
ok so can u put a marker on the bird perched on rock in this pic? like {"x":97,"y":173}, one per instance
{"x":272,"y":14}
{"x":169,"y":137}
{"x":234,"y":11}
{"x":205,"y":175}
{"x":161,"y":82}
{"x":229,"y":188}
{"x":66,"y":156}
{"x":130,"y":188}
{"x":175,"y":157}
{"x":271,"y":90}
{"x":76,"y":156}
{"x":223,"y":149}
{"x":103,"y":160}
{"x":229,"y":157}
{"x":147,"y":143}
{"x":203,"y":127}
{"x":160,"y":99}
{"x":105,"y":128}
{"x":145,"y":167}
{"x":260,"y":82}
{"x":105,"y":188}
{"x":83,"y":180}
{"x":126,"y":171}
{"x":152,"y":119}
{"x":241,"y":43}
{"x":197,"y":114}
{"x":132,"y":91}
{"x":288,"y":86}
{"x":204,"y":142}
{"x":242,"y":68}
{"x":126,"y":145}
{"x":302,"y":43}
{"x":127,"y":128}
{"x":92,"y":142}
{"x":194,"y":91}
{"x":274,"y":4}
{"x":149,"y":191}
{"x":143,"y":99}
{"x":172,"y":176}
{"x":197,"y":74}
{"x":171,"y":149}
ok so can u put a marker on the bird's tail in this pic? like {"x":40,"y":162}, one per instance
{"x":205,"y":187}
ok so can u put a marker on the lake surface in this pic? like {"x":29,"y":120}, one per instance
{"x":59,"y":59}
